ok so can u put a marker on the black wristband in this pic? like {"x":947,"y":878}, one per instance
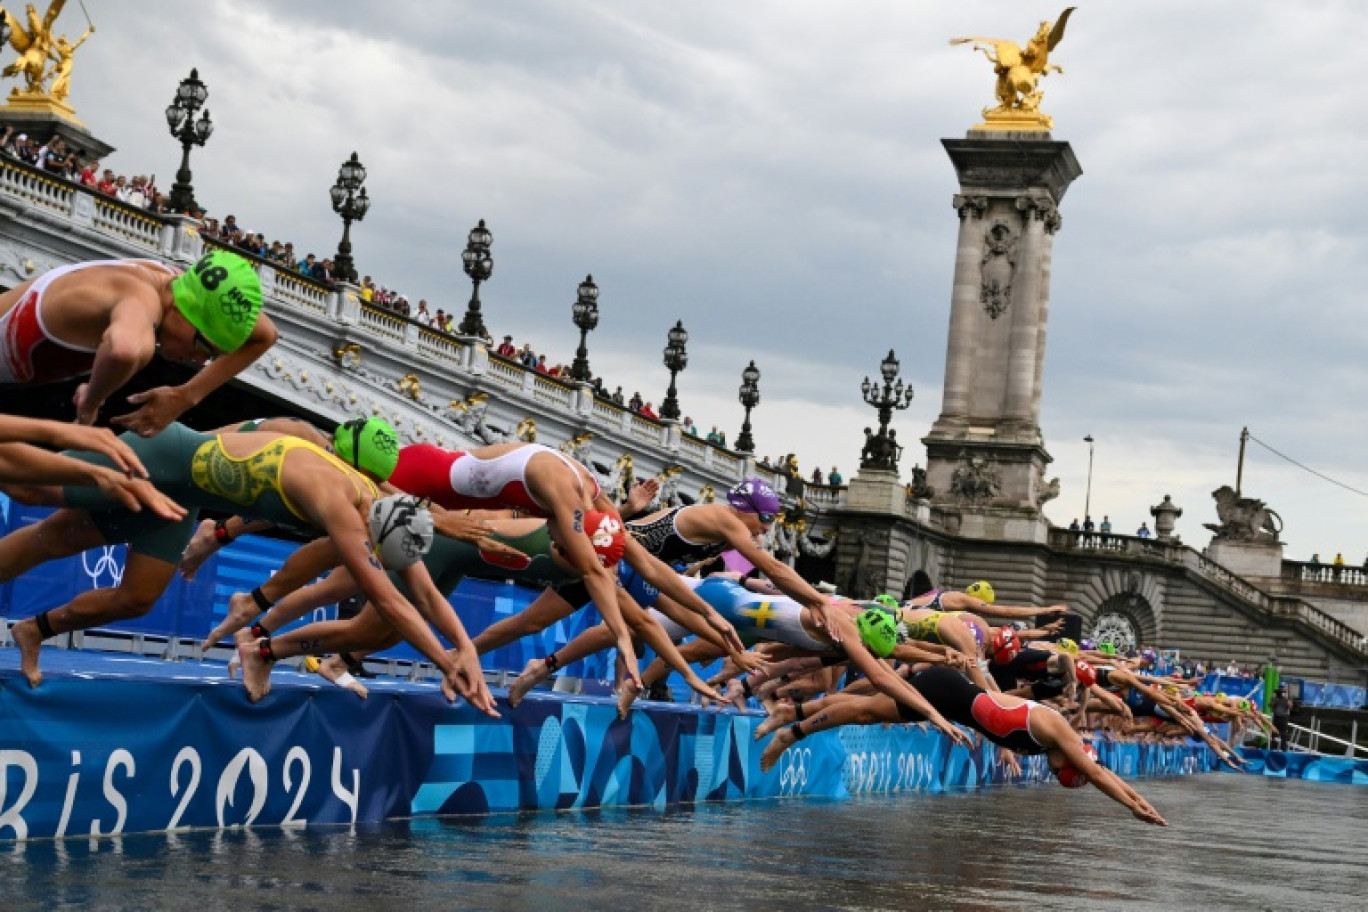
{"x":261,"y":600}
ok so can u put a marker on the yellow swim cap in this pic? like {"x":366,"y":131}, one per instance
{"x":982,"y":590}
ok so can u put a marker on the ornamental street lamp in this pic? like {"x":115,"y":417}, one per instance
{"x":750,"y":398}
{"x":676,"y":359}
{"x":585,"y":314}
{"x":881,"y":450}
{"x":352,"y":206}
{"x":180,"y":117}
{"x":479,"y":265}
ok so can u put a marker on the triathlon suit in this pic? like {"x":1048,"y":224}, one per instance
{"x":927,"y":628}
{"x":29,"y":353}
{"x":449,"y":561}
{"x":661,"y":537}
{"x":755,"y":616}
{"x":1029,"y":665}
{"x":962,"y":701}
{"x":460,"y":481}
{"x":195,"y":470}
{"x":1140,"y":704}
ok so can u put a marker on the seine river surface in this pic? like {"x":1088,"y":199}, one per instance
{"x":1235,"y":842}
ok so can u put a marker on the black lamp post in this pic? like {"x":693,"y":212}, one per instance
{"x":881,"y":450}
{"x":351,"y":205}
{"x":676,"y":359}
{"x":585,"y":314}
{"x":180,"y":117}
{"x":750,"y":398}
{"x":479,"y":265}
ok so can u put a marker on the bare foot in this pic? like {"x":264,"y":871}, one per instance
{"x":335,"y":670}
{"x":242,"y":638}
{"x":736,"y":695}
{"x":627,"y":695}
{"x":256,"y":671}
{"x":533,"y":674}
{"x":200,"y":549}
{"x":782,"y":715}
{"x":28,"y":639}
{"x":242,"y":610}
{"x":783,"y":739}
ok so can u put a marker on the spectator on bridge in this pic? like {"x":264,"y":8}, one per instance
{"x":636,"y":402}
{"x":817,"y":477}
{"x":1074,"y":526}
{"x":1105,"y":528}
{"x":541,"y":367}
{"x":1339,"y":564}
{"x":714,"y":436}
{"x":617,"y":396}
{"x":649,"y":412}
{"x":1143,"y":531}
{"x":1281,"y":706}
{"x":1315,"y":558}
{"x":1088,"y":524}
{"x":367,"y":290}
{"x":506,"y":348}
{"x":527,"y":357}
{"x":306,"y":265}
{"x":835,"y":478}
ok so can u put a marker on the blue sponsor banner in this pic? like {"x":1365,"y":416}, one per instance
{"x":1333,"y":696}
{"x":160,"y":745}
{"x":1300,"y":765}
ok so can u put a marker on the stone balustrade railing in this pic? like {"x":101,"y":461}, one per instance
{"x":1297,"y":571}
{"x":1289,"y":608}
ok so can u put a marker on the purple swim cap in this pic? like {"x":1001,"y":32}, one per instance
{"x":754,"y":495}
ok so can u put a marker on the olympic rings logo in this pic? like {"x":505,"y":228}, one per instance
{"x":105,"y":563}
{"x":793,"y":770}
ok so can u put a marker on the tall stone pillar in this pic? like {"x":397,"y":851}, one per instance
{"x":986,"y":456}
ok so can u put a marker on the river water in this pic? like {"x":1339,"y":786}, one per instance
{"x":1234,"y":842}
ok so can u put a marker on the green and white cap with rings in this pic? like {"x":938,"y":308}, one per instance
{"x":368,"y":443}
{"x":221,"y":297}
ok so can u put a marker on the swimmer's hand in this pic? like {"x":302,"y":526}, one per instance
{"x":642,"y":495}
{"x":134,"y":494}
{"x":1148,"y":815}
{"x":466,"y":679}
{"x":1009,"y":760}
{"x":747,"y":661}
{"x":159,"y":407}
{"x":825,"y":619}
{"x":91,"y":440}
{"x":727,"y":632}
{"x":956,"y":734}
{"x":86,"y":408}
{"x":1055,"y":609}
{"x":456,"y":524}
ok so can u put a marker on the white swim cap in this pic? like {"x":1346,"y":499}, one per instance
{"x":401,"y":529}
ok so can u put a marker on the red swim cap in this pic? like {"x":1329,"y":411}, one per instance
{"x":1004,"y":645}
{"x":607,"y":536}
{"x":1087,"y":675}
{"x":1069,"y":775}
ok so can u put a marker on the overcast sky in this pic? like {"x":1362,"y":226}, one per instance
{"x":770,"y":172}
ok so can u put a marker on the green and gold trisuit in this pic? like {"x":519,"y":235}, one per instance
{"x":194,"y":470}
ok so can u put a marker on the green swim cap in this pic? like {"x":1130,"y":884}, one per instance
{"x":1107,"y":648}
{"x":887,"y":600}
{"x":368,"y":443}
{"x":221,"y":297}
{"x":877,"y":631}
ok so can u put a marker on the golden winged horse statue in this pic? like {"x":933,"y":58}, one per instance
{"x":1018,"y":72}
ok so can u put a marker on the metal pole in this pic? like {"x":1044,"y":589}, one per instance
{"x":1239,"y":468}
{"x":1087,"y":498}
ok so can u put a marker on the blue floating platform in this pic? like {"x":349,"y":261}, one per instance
{"x":124,"y":744}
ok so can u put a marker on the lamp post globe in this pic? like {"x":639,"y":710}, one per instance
{"x":584,"y":312}
{"x":180,"y":118}
{"x":676,"y":359}
{"x":350,"y":201}
{"x":749,"y":395}
{"x":479,"y":265}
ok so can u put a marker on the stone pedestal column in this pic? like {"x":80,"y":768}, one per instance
{"x":985,"y":453}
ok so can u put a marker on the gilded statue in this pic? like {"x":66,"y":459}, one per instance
{"x":1018,"y":73}
{"x":63,"y":51}
{"x":35,"y":45}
